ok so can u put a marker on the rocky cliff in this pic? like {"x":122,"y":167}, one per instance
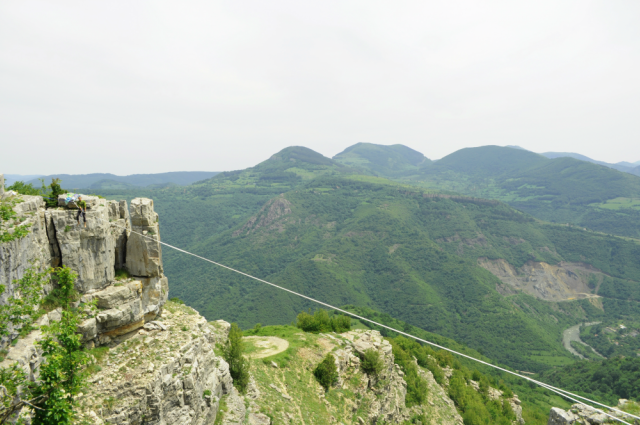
{"x":95,"y":253}
{"x":160,"y":367}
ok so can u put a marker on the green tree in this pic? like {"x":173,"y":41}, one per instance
{"x":51,"y":192}
{"x":61,"y":377}
{"x":238,"y":364}
{"x":326,"y":372}
{"x":21,"y":309}
{"x":24,"y":189}
{"x":320,"y":321}
{"x":371,"y":362}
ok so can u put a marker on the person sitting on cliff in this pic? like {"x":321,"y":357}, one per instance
{"x":82,"y":210}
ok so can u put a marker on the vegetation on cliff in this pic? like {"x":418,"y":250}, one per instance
{"x":232,"y":352}
{"x":51,"y":399}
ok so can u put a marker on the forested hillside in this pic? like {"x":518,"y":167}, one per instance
{"x":560,"y":190}
{"x":336,"y":232}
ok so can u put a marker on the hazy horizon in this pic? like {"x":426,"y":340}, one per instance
{"x":152,"y":87}
{"x":34,"y":176}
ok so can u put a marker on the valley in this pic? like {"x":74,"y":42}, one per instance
{"x":446,"y":263}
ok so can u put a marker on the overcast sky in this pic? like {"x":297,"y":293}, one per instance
{"x":156,"y":86}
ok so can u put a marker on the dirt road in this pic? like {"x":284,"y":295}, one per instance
{"x":573,"y":334}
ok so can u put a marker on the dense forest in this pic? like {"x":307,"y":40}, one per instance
{"x":560,"y":190}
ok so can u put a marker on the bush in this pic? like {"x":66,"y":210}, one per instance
{"x":403,"y":352}
{"x":238,"y":364}
{"x":371,"y":362}
{"x":321,"y":322}
{"x":326,"y":372}
{"x":176,"y":300}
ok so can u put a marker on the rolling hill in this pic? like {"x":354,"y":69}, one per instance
{"x":560,"y":190}
{"x":626,"y":167}
{"x":111,"y":181}
{"x":388,"y":161}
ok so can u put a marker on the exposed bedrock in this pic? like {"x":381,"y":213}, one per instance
{"x":564,"y":281}
{"x":144,"y":254}
{"x":95,"y":253}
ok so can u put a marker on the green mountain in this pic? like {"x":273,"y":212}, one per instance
{"x":286,"y":169}
{"x":626,"y":167}
{"x":486,"y":162}
{"x":453,"y":265}
{"x":383,"y":160}
{"x":560,"y":190}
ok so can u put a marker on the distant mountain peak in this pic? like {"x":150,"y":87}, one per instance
{"x":300,"y":153}
{"x":386,"y":160}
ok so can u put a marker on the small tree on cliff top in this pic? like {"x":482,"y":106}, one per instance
{"x":238,"y":364}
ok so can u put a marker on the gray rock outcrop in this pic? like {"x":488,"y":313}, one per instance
{"x":161,"y":367}
{"x":161,"y":374}
{"x":95,"y":253}
{"x":32,"y":250}
{"x":580,"y":414}
{"x":143,"y":248}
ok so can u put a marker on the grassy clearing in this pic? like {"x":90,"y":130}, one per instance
{"x":293,"y":377}
{"x":297,"y":339}
{"x":620,"y":203}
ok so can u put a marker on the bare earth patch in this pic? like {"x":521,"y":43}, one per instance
{"x":267,"y":346}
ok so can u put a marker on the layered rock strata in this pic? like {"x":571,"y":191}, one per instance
{"x":161,"y":367}
{"x":165,"y":373}
{"x":95,"y":252}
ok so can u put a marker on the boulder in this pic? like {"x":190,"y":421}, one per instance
{"x":114,"y":296}
{"x":558,"y":416}
{"x":123,"y":315}
{"x":88,"y":329}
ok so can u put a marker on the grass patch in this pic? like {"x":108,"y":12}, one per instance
{"x":122,"y":274}
{"x":221,"y":411}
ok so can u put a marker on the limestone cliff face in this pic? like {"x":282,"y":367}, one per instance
{"x":160,"y":367}
{"x":33,"y":249}
{"x":95,"y":253}
{"x":166,"y":373}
